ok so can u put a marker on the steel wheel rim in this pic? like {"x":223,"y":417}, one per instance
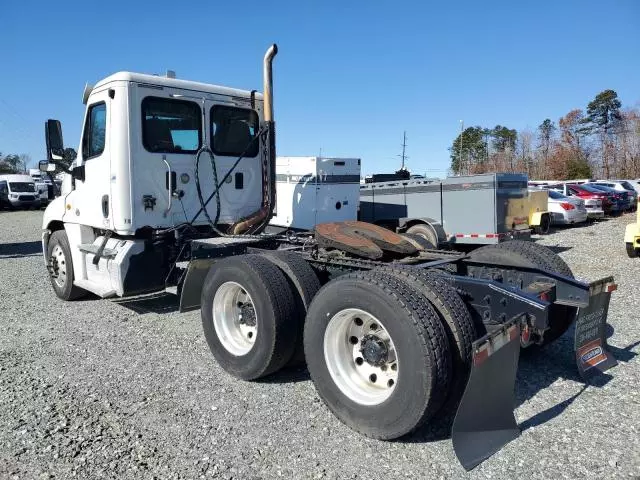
{"x":360,"y":380}
{"x":232,"y":307}
{"x":59,"y":266}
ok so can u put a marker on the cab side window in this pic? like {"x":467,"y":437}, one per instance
{"x":94,"y":131}
{"x":4,"y":190}
{"x":171,"y":126}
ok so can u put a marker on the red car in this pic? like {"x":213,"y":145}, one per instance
{"x":587,"y":193}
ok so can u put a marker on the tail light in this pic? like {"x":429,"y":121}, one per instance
{"x":567,"y":206}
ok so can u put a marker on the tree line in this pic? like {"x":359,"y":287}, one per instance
{"x":14,"y":163}
{"x":603,"y":141}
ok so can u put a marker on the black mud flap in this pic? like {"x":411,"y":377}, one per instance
{"x":485,"y":421}
{"x":590,"y":344}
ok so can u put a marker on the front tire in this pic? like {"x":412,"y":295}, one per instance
{"x":248,"y":316}
{"x":632,"y":252}
{"x":60,"y":266}
{"x":377,"y":354}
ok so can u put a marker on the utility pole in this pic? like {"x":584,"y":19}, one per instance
{"x":404,"y":157}
{"x":461,"y":160}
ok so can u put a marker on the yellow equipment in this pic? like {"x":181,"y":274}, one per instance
{"x":539,"y":216}
{"x":632,"y":236}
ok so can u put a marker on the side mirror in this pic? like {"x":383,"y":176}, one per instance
{"x":53,"y":137}
{"x":46,"y":167}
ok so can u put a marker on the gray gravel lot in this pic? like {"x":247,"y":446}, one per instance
{"x":93,"y":389}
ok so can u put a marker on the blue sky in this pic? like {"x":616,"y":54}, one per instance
{"x":350,"y":76}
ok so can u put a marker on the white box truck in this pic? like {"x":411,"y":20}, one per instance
{"x":313,"y":190}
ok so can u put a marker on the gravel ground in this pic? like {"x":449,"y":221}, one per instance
{"x":94,"y":389}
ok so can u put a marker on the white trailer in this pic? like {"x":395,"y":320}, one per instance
{"x":313,"y":190}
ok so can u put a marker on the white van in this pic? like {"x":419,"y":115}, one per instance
{"x":20,"y":191}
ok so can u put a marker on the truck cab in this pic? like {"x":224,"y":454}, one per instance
{"x":157,"y":156}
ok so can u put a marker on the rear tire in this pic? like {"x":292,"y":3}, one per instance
{"x":454,"y":317}
{"x":555,"y":262}
{"x":545,"y":224}
{"x":417,"y":346}
{"x":305,"y":284}
{"x":248,"y":316}
{"x":528,"y":254}
{"x":425,"y":231}
{"x":420,"y":241}
{"x":60,"y":266}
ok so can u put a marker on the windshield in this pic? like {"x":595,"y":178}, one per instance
{"x":19,"y":187}
{"x":602,"y":188}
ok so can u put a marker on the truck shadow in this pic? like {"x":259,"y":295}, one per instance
{"x":21,"y":249}
{"x":160,"y":302}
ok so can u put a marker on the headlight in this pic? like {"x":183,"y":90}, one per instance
{"x":14,"y":195}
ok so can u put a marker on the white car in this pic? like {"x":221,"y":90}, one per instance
{"x":566,"y":210}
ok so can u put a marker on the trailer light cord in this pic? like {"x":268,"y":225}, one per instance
{"x":216,"y":192}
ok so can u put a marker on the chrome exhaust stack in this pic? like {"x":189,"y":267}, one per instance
{"x":256,"y":222}
{"x":268,"y":82}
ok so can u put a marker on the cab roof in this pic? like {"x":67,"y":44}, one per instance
{"x":175,"y":83}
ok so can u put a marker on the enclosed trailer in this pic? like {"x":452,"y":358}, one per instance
{"x":472,"y":209}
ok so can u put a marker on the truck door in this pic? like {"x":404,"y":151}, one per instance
{"x":88,"y":203}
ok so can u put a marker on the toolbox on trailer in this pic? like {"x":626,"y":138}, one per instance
{"x":472,"y":209}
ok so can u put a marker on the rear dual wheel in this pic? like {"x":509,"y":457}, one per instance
{"x":253,"y":309}
{"x":377,"y":353}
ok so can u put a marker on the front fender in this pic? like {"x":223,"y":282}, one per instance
{"x":53,"y":213}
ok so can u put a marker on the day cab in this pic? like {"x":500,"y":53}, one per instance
{"x":138,"y":176}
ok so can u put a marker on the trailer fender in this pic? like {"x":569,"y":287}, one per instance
{"x":405,"y":223}
{"x":536,"y":218}
{"x":193,"y":281}
{"x":632,"y":234}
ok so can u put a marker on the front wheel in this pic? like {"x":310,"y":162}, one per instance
{"x":632,"y":252}
{"x":60,"y":266}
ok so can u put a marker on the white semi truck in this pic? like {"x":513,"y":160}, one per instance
{"x":172,"y":188}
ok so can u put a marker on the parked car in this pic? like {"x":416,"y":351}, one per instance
{"x":21,"y":190}
{"x":566,"y":210}
{"x":635,"y":184}
{"x":597,"y":202}
{"x":620,"y":198}
{"x":622,"y":186}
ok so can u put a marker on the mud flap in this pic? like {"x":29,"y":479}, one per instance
{"x":485,"y":421}
{"x":590,"y":343}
